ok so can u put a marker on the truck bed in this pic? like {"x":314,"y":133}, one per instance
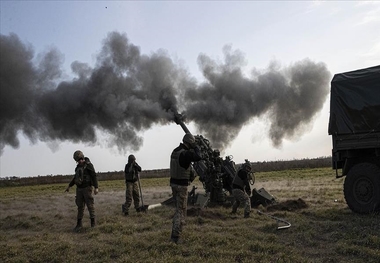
{"x":356,"y":141}
{"x":355,"y":104}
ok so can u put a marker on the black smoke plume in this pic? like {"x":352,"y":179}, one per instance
{"x":127,"y":92}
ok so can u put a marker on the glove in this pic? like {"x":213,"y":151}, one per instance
{"x":67,"y":189}
{"x":96,"y":191}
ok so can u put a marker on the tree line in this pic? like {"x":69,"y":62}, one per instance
{"x":264,"y":166}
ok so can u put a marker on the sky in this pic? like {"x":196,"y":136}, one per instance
{"x":105,"y":77}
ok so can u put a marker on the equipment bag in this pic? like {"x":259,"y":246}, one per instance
{"x":261,"y":197}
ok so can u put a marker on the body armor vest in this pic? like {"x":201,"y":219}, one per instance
{"x":238,"y":181}
{"x":131,"y":174}
{"x":176,"y":170}
{"x":82,"y":176}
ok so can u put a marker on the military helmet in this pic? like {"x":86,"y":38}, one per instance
{"x":189,"y":139}
{"x":247,"y":165}
{"x":78,"y":155}
{"x":131,"y":158}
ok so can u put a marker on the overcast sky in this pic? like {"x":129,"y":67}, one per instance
{"x":204,"y":39}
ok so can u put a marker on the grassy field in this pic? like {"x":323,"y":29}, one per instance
{"x":36,"y":225}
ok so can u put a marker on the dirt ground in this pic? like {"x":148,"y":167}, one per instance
{"x":154,"y":196}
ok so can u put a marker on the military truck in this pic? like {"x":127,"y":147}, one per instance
{"x":355,"y":128}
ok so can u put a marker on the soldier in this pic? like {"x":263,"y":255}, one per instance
{"x":85,"y":179}
{"x":131,"y":173}
{"x":181,"y":175}
{"x":241,"y":189}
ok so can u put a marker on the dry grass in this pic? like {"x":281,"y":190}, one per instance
{"x":36,"y":225}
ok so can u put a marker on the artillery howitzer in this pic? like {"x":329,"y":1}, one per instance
{"x":215,"y":173}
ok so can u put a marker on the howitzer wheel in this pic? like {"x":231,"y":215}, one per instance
{"x":362,"y":188}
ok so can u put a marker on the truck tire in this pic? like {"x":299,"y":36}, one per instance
{"x":362,"y":188}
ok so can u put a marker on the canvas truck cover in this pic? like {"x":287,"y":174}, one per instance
{"x":355,"y":102}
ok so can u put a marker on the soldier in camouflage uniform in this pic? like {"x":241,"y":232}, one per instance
{"x":241,"y":189}
{"x":86,"y":180}
{"x":131,"y":173}
{"x":181,"y":175}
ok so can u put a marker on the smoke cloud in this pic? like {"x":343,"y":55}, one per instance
{"x":127,"y":92}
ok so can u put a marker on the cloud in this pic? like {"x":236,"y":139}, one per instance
{"x":127,"y":92}
{"x":371,"y":15}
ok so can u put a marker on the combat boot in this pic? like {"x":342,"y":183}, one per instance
{"x":79,"y":226}
{"x":235,"y":206}
{"x":92,"y":222}
{"x":174,"y":238}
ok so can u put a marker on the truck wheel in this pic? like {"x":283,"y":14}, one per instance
{"x":362,"y":188}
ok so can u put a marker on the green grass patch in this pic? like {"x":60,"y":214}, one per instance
{"x":36,"y":224}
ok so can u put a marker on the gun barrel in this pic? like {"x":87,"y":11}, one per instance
{"x":184,"y":128}
{"x":178,"y":118}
